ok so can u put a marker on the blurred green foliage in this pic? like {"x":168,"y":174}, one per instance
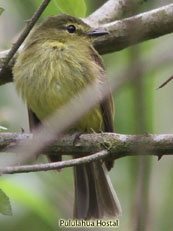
{"x":1,"y":10}
{"x":39,"y":200}
{"x":67,"y":7}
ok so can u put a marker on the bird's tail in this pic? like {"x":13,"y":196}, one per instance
{"x":95,"y":197}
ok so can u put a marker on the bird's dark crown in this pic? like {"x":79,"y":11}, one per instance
{"x":62,"y":21}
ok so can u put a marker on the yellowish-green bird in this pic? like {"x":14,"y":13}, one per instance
{"x":57,"y":62}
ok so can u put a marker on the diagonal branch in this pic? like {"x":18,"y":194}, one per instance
{"x":136,"y":29}
{"x":112,"y":10}
{"x":23,"y":35}
{"x":124,"y":33}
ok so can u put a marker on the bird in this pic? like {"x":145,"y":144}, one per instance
{"x":57,"y":62}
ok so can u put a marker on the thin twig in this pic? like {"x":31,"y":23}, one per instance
{"x":24,"y":34}
{"x":55,"y":165}
{"x":165,"y":83}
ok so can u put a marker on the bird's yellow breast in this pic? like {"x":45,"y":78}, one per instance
{"x":54,"y":75}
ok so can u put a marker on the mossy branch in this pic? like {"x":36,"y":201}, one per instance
{"x":119,"y":145}
{"x":104,"y":145}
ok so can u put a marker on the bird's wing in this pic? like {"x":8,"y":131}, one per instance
{"x":34,"y":122}
{"x":107,"y":105}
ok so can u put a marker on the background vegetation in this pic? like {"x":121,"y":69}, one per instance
{"x":40,"y":199}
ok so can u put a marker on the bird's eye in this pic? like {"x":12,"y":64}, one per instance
{"x":71,"y":29}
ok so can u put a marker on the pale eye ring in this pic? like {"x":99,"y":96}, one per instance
{"x":71,"y":28}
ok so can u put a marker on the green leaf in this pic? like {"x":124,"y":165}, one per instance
{"x":51,"y":9}
{"x":5,"y":206}
{"x":2,"y":129}
{"x":23,"y":194}
{"x":73,"y":7}
{"x":1,"y":10}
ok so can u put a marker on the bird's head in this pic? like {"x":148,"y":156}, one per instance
{"x":65,"y":28}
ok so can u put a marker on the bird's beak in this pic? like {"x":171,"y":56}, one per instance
{"x":97,"y":32}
